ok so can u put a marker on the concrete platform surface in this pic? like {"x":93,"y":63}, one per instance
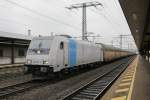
{"x":133,"y":84}
{"x":141,"y":89}
{"x":10,"y":65}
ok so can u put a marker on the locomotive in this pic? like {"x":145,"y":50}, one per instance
{"x":49,"y":55}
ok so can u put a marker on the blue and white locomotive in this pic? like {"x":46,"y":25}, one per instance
{"x":58,"y":54}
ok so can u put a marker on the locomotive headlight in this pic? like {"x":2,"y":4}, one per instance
{"x":38,"y":52}
{"x":29,"y":61}
{"x":43,"y":69}
{"x":25,"y":68}
{"x":45,"y":62}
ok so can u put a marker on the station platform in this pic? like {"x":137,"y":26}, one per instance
{"x":133,"y":84}
{"x":10,"y":65}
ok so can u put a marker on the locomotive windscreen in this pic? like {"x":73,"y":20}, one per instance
{"x":39,"y":46}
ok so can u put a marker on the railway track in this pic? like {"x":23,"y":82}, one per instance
{"x":18,"y":88}
{"x":95,"y":89}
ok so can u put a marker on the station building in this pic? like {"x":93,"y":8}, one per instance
{"x":13,"y":47}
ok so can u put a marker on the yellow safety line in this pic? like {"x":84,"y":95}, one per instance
{"x":131,"y":87}
{"x":131,"y":71}
{"x":129,"y":74}
{"x":125,"y":84}
{"x":128,"y":79}
{"x":119,"y":98}
{"x":122,"y":90}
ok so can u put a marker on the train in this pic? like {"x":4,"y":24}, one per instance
{"x":51,"y":55}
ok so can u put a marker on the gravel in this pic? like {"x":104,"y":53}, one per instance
{"x":15,"y":79}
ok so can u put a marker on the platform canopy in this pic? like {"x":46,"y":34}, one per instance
{"x":17,"y":39}
{"x":137,"y":13}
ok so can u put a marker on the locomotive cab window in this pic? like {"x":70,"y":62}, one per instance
{"x":61,"y":45}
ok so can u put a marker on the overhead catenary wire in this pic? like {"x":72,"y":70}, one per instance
{"x":108,"y":14}
{"x":43,"y":15}
{"x":13,"y":21}
{"x":113,"y":19}
{"x":117,"y":4}
{"x":104,"y":16}
{"x":122,"y":16}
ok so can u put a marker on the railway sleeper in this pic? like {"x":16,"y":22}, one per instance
{"x":100,"y":84}
{"x":84,"y":97}
{"x":91,"y":89}
{"x":76,"y":98}
{"x":95,"y":87}
{"x":87,"y":93}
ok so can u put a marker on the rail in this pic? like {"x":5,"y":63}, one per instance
{"x":97,"y":87}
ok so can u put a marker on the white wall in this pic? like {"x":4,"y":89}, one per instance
{"x":5,"y":60}
{"x":20,"y":60}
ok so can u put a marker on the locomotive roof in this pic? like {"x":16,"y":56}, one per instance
{"x":44,"y":37}
{"x":51,"y":37}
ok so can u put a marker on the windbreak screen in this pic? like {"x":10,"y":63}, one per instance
{"x":39,"y":46}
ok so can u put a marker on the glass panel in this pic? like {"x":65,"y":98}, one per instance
{"x":38,"y":51}
{"x":40,"y":43}
{"x":39,"y":46}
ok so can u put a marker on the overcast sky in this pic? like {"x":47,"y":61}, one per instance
{"x":46,"y":16}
